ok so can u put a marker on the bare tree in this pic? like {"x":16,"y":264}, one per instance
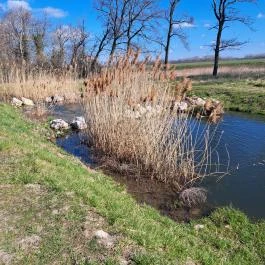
{"x":175,"y":27}
{"x":113,"y":13}
{"x":38,"y":33}
{"x":17,"y":26}
{"x":101,"y":43}
{"x":60,"y":38}
{"x":77,"y":40}
{"x":139,"y":15}
{"x":226,"y":11}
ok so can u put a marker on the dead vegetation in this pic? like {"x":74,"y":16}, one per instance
{"x":132,"y":121}
{"x":38,"y":85}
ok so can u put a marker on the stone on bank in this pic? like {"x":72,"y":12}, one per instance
{"x":59,"y":124}
{"x":79,"y":123}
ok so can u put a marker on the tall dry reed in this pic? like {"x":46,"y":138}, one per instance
{"x":37,"y":84}
{"x":133,"y":125}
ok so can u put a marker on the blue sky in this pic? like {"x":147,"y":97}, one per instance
{"x":74,"y":11}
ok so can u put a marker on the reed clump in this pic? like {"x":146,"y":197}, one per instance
{"x":132,"y":125}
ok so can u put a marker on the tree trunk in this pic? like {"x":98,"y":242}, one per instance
{"x":217,"y":50}
{"x":112,"y":51}
{"x":167,"y":46}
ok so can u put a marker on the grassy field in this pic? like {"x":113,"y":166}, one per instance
{"x":231,"y":63}
{"x":238,"y":95}
{"x":50,"y":205}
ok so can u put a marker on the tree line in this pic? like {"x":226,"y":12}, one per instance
{"x":33,"y":43}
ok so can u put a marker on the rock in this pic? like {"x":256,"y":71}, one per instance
{"x":27,"y":101}
{"x":104,"y":238}
{"x":198,"y":227}
{"x":49,"y":99}
{"x":59,"y":124}
{"x":199,"y":102}
{"x":100,"y":234}
{"x":179,"y":106}
{"x":182,"y":106}
{"x":58,"y":99}
{"x":16,"y":102}
{"x":79,"y":123}
{"x":196,"y":101}
{"x":5,"y":258}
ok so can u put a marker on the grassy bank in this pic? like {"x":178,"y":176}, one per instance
{"x":238,"y":95}
{"x":68,"y":202}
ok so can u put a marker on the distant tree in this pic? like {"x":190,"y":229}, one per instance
{"x":77,"y":40}
{"x":174,"y":27}
{"x":227,"y":11}
{"x":61,"y":37}
{"x":38,"y":33}
{"x":17,"y":26}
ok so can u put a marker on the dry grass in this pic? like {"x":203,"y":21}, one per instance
{"x":37,"y":85}
{"x":231,"y":70}
{"x":132,"y":123}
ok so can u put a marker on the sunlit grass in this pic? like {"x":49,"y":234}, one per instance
{"x":227,"y":238}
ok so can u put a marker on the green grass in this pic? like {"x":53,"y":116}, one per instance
{"x":27,"y":157}
{"x":232,"y":63}
{"x":237,"y":95}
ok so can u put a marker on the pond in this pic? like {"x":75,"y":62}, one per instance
{"x":244,"y":186}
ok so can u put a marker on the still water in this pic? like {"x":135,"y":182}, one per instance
{"x":243,"y":136}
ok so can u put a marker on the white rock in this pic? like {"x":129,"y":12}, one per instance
{"x":104,"y":238}
{"x":48,"y":100}
{"x":58,"y":99}
{"x":198,"y":227}
{"x":199,"y":102}
{"x":16,"y":102}
{"x":182,"y":106}
{"x":79,"y":123}
{"x":100,"y":234}
{"x":59,"y":124}
{"x":27,"y":101}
